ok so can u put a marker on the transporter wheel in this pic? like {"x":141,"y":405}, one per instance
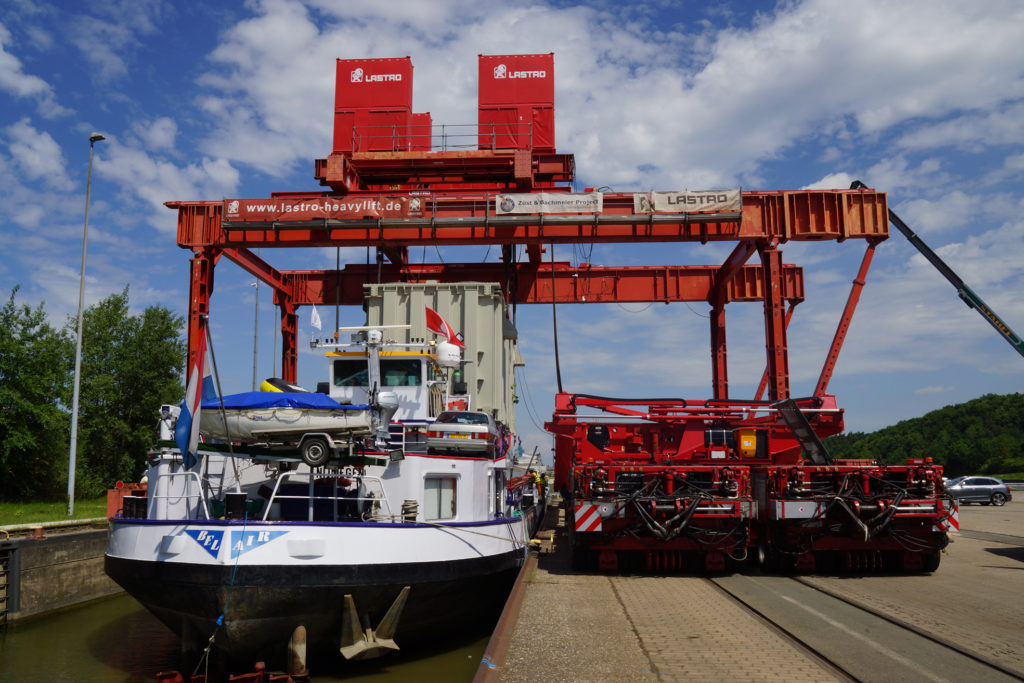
{"x":999,"y":499}
{"x":766,"y":558}
{"x":315,"y":451}
{"x":931,"y":561}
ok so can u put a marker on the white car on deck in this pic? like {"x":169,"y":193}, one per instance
{"x":463,"y":432}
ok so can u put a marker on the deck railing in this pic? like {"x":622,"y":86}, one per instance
{"x":443,"y":137}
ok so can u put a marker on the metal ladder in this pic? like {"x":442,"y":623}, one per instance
{"x":5,"y":564}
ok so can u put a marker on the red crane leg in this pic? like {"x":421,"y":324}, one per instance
{"x":844,"y":322}
{"x":289,"y":341}
{"x":775,"y":325}
{"x":719,"y":365}
{"x":764,"y":378}
{"x":200,"y":289}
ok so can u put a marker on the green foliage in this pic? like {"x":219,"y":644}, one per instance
{"x":983,"y":436}
{"x":130,"y":366}
{"x":34,"y":425}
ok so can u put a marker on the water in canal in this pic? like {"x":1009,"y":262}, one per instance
{"x":115,"y":640}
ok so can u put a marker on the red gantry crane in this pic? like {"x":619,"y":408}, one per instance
{"x":656,"y":483}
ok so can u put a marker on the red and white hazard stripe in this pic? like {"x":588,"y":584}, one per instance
{"x":587,"y":516}
{"x":950,"y":523}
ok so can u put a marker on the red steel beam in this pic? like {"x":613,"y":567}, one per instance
{"x":534,"y":282}
{"x":259,"y":268}
{"x":775,"y":325}
{"x":468,"y":218}
{"x":844,"y":322}
{"x":364,"y":170}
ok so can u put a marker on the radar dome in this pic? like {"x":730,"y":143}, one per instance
{"x":448,"y":355}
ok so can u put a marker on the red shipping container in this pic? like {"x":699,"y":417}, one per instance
{"x":372,"y":104}
{"x":516,"y":102}
{"x":421,"y":132}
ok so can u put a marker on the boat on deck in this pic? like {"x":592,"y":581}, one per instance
{"x":276,"y":416}
{"x":254,"y":548}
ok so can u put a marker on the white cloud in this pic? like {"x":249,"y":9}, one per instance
{"x":14,"y":81}
{"x":950,"y":211}
{"x":155,"y":181}
{"x":1015,"y":162}
{"x":110,"y":41}
{"x":640,"y":109}
{"x":933,"y":390}
{"x":157,"y":134}
{"x":833,"y":181}
{"x":807,"y":92}
{"x":37,"y":155}
{"x":971,"y":132}
{"x":893,"y":173}
{"x":987,"y":259}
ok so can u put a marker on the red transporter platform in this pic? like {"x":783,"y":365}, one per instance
{"x":666,"y":484}
{"x":647,"y":490}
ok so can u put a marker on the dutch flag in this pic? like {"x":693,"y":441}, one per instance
{"x":186,"y":431}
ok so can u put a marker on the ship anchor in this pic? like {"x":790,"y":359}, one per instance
{"x":358,"y":642}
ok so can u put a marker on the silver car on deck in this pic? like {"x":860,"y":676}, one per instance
{"x":463,"y":432}
{"x":984,"y":490}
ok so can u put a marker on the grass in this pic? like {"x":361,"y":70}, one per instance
{"x":34,"y":512}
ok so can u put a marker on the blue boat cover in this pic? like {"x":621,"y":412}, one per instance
{"x":253,"y":400}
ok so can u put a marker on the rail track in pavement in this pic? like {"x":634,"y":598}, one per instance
{"x":854,"y":641}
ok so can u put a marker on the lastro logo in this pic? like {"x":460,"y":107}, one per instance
{"x":357,"y":75}
{"x":499,"y":71}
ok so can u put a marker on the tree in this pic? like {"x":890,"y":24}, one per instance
{"x":985,"y":435}
{"x":34,"y":424}
{"x":131,"y":365}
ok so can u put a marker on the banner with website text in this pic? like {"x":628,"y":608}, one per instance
{"x":304,"y":209}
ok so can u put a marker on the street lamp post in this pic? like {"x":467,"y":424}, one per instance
{"x":93,"y":139}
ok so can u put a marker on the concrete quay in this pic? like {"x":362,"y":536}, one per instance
{"x":570,"y":626}
{"x":573,"y":626}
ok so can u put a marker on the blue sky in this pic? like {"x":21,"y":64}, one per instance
{"x":922,"y":100}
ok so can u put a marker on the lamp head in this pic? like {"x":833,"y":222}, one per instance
{"x":95,"y":137}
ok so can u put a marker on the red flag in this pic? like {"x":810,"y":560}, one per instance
{"x":437,"y":325}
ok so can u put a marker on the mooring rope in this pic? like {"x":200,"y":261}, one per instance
{"x":204,"y":661}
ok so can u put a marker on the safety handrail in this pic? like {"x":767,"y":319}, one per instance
{"x":187,"y":496}
{"x":444,"y":137}
{"x":311,"y":498}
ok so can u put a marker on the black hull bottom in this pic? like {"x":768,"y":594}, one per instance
{"x":266,"y":603}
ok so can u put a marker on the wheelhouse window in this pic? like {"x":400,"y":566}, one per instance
{"x":439,"y":498}
{"x":400,"y":372}
{"x":351,"y":372}
{"x":394,"y":372}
